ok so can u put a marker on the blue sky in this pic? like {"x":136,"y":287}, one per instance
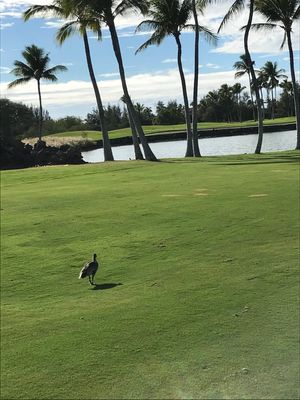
{"x":152,"y":74}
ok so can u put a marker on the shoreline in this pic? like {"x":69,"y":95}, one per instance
{"x":180,"y":135}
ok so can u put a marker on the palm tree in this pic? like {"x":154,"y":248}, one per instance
{"x":36,"y":67}
{"x":237,"y":90}
{"x":106,"y":11}
{"x":283,"y":13}
{"x":243,"y":68}
{"x":135,"y":140}
{"x":80,"y":23}
{"x":236,"y":7}
{"x":272,"y":76}
{"x":200,"y":5}
{"x":170,"y":17}
{"x":287,"y":87}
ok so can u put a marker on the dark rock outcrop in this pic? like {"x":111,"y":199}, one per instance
{"x":15,"y":154}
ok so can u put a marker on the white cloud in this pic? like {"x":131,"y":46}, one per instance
{"x":54,"y":24}
{"x":4,"y":70}
{"x":169,"y":61}
{"x":147,"y":88}
{"x":214,"y":66}
{"x":109,"y":75}
{"x":6,"y":25}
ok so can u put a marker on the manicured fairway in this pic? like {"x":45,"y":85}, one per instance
{"x":153,"y":129}
{"x":198,"y":290}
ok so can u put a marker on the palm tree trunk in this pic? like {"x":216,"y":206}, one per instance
{"x":41,"y":110}
{"x":251,"y":94}
{"x":272,"y":98}
{"x":108,"y":155}
{"x":189,"y":149}
{"x":116,"y":46}
{"x":262,"y":103}
{"x":254,"y":81}
{"x":196,"y":79}
{"x":295,"y":88}
{"x":137,"y":151}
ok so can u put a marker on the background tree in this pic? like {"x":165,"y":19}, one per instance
{"x":272,"y":76}
{"x":242,"y":68}
{"x":106,"y":11}
{"x":79,"y":24}
{"x":36,"y":67}
{"x":170,"y":18}
{"x":283,"y":13}
{"x":198,"y":5}
{"x":236,"y":7}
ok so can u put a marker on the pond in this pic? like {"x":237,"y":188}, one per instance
{"x":273,"y":141}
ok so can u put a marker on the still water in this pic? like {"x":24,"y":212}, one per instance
{"x":274,"y":141}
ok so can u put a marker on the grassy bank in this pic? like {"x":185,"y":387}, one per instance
{"x":197,"y":293}
{"x":153,"y":129}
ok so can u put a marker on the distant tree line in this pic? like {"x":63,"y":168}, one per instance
{"x":226,"y":104}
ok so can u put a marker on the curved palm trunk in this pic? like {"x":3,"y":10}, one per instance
{"x":189,"y":149}
{"x":137,"y":151}
{"x":41,"y":110}
{"x":251,"y":95}
{"x":254,"y":81}
{"x":295,"y":89}
{"x":108,"y":155}
{"x":196,"y":79}
{"x":116,"y":46}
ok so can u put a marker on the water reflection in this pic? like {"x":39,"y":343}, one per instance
{"x":275,"y":141}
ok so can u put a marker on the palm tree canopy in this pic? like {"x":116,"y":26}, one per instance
{"x":272,"y":74}
{"x":169,"y":17}
{"x":242,"y":66}
{"x":35,"y":67}
{"x":283,"y":11}
{"x":276,"y":12}
{"x":78,"y":19}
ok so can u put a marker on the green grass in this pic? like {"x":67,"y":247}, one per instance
{"x":153,"y":129}
{"x":209,"y":302}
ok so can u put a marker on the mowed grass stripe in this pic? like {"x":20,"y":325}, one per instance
{"x":205,"y":301}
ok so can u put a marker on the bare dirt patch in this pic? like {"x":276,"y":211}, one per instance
{"x":258,"y":195}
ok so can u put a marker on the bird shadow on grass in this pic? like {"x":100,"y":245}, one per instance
{"x":104,"y":286}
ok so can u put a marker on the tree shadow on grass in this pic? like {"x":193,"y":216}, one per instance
{"x":104,"y":286}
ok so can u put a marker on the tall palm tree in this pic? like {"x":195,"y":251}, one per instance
{"x":197,"y":5}
{"x":106,"y":11}
{"x":135,"y":139}
{"x":272,"y":76}
{"x":243,"y":68}
{"x":283,"y":13}
{"x":36,"y":67}
{"x":80,"y":23}
{"x":236,"y":7}
{"x":171,"y":17}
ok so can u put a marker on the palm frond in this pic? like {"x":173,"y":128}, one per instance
{"x":236,"y":7}
{"x":134,"y":5}
{"x":263,"y":25}
{"x":239,"y":74}
{"x":55,"y":69}
{"x":18,"y":82}
{"x":148,"y":24}
{"x":155,"y":39}
{"x":67,"y":30}
{"x":283,"y":41}
{"x":42,"y":10}
{"x":50,"y":77}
